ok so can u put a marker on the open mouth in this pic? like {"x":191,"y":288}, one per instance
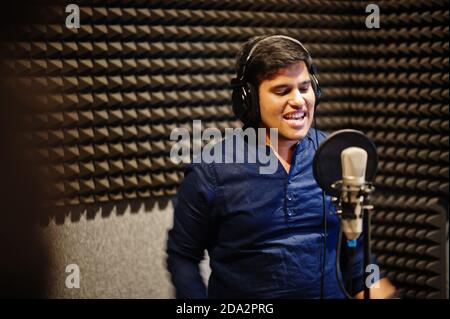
{"x":295,"y":118}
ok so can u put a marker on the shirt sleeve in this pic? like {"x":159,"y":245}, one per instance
{"x":189,"y":237}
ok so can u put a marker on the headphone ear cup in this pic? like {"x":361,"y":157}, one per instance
{"x":247,"y":97}
{"x":253,"y":99}
{"x":245,"y":103}
{"x":238,"y":100}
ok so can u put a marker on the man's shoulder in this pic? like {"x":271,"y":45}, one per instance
{"x":317,"y":135}
{"x":226,"y":149}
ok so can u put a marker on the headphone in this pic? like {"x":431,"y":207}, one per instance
{"x":245,"y":100}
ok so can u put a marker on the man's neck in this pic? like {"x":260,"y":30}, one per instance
{"x":285,"y":148}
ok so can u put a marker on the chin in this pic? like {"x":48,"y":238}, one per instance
{"x":294,"y":135}
{"x":302,"y":132}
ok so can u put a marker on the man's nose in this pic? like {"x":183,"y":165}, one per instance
{"x":297,"y":99}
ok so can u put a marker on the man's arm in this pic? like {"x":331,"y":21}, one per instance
{"x":188,"y":238}
{"x":186,"y":277}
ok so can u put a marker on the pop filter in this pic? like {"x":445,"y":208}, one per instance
{"x":327,"y":160}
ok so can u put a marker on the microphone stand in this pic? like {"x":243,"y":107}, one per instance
{"x":367,"y":208}
{"x":366,"y":231}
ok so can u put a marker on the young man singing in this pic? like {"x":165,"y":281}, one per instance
{"x":264,"y":233}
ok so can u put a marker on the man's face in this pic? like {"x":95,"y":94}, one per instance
{"x":286,"y":102}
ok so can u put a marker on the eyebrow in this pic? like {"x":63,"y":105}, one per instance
{"x":279,"y":86}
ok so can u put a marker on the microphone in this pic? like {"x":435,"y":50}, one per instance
{"x":353,"y":164}
{"x":344,"y":166}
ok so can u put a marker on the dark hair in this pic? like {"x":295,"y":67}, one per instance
{"x":267,"y":58}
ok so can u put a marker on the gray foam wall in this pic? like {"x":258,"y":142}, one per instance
{"x":119,"y":256}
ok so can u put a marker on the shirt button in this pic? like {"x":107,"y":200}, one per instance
{"x":289,"y":212}
{"x":289,"y":197}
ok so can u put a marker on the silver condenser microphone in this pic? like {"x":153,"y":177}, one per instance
{"x":354,"y":162}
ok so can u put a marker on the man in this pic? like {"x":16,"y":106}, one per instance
{"x":265,"y":233}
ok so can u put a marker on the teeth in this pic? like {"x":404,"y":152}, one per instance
{"x":295,"y":116}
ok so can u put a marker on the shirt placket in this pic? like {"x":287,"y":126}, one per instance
{"x":289,"y":193}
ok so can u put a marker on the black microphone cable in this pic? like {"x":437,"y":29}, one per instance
{"x":324,"y":227}
{"x":339,"y":244}
{"x":338,"y":248}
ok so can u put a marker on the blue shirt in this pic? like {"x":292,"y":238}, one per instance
{"x":263,"y":232}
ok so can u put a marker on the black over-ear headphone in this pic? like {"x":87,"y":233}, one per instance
{"x":245,"y":96}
